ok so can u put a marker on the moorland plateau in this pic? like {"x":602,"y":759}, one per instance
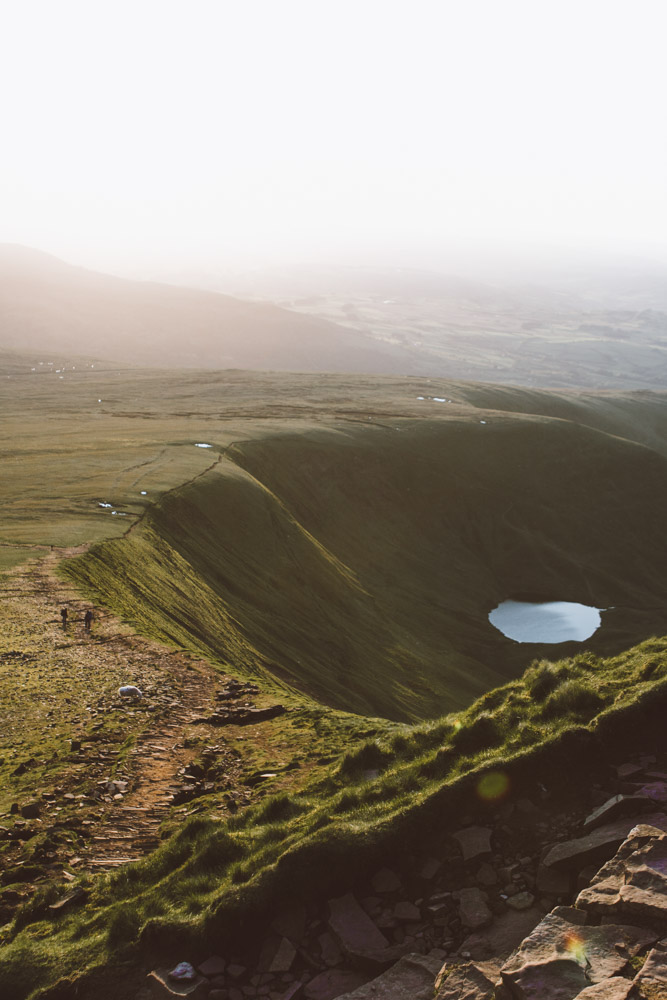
{"x":337,"y":545}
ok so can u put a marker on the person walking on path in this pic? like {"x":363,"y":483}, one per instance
{"x":63,"y":615}
{"x":87,"y":619}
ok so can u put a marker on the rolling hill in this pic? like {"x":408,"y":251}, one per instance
{"x":47,"y":305}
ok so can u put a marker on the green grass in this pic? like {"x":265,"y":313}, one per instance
{"x":210,"y":877}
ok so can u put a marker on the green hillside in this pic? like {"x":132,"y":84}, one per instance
{"x":359,"y":565}
{"x":341,"y":540}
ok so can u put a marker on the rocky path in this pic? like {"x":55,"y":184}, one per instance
{"x":88,"y":777}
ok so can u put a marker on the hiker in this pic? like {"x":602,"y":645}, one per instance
{"x":87,"y":619}
{"x":63,"y":615}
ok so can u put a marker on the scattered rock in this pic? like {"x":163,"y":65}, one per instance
{"x":31,"y":810}
{"x":652,"y":979}
{"x":385,"y":881}
{"x":560,"y":959}
{"x":521,"y":901}
{"x":284,"y":956}
{"x":597,"y":846}
{"x":352,"y":927}
{"x":72,"y":898}
{"x":473,"y":909}
{"x":411,"y":978}
{"x":615,"y":808}
{"x":486,"y":876}
{"x":407,"y":911}
{"x":633,"y":884}
{"x":474,"y":841}
{"x":213,"y":966}
{"x":463,"y":982}
{"x":333,"y":983}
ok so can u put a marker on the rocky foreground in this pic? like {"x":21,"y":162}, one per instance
{"x":583,"y":914}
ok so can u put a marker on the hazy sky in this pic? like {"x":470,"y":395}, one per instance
{"x":260,"y":129}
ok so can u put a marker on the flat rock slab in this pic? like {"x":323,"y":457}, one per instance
{"x":333,"y":983}
{"x":411,"y":978}
{"x":474,"y":841}
{"x":407,"y":911}
{"x":617,"y":807}
{"x":164,"y":988}
{"x":616,"y":988}
{"x":353,"y":928}
{"x":560,"y":959}
{"x":464,"y":982}
{"x":633,"y":884}
{"x":283,"y":957}
{"x":213,"y":966}
{"x":598,"y":845}
{"x":509,"y":929}
{"x":473,"y":909}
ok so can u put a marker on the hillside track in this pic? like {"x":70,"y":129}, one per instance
{"x":69,"y":735}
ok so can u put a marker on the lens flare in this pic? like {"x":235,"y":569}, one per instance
{"x":493,"y":786}
{"x":575,"y":946}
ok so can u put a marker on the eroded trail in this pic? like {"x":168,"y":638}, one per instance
{"x":88,"y":777}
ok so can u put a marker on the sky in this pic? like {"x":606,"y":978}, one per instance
{"x":158,"y":133}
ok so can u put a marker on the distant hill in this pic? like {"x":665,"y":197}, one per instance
{"x":49,"y":305}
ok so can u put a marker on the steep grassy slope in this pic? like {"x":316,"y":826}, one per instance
{"x":216,"y":884}
{"x":359,"y":566}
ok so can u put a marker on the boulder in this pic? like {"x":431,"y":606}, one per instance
{"x":598,"y":845}
{"x":474,"y":841}
{"x":560,"y":959}
{"x":652,"y":979}
{"x":633,"y":884}
{"x":464,"y":982}
{"x":616,"y":988}
{"x":411,"y":978}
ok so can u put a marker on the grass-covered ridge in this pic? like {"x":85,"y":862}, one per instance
{"x":359,"y":566}
{"x":212,"y":877}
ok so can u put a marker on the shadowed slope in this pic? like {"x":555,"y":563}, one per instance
{"x":360,"y":566}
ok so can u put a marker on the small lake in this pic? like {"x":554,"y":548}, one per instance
{"x":550,"y":621}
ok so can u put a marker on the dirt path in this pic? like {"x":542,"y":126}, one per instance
{"x":102,"y":773}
